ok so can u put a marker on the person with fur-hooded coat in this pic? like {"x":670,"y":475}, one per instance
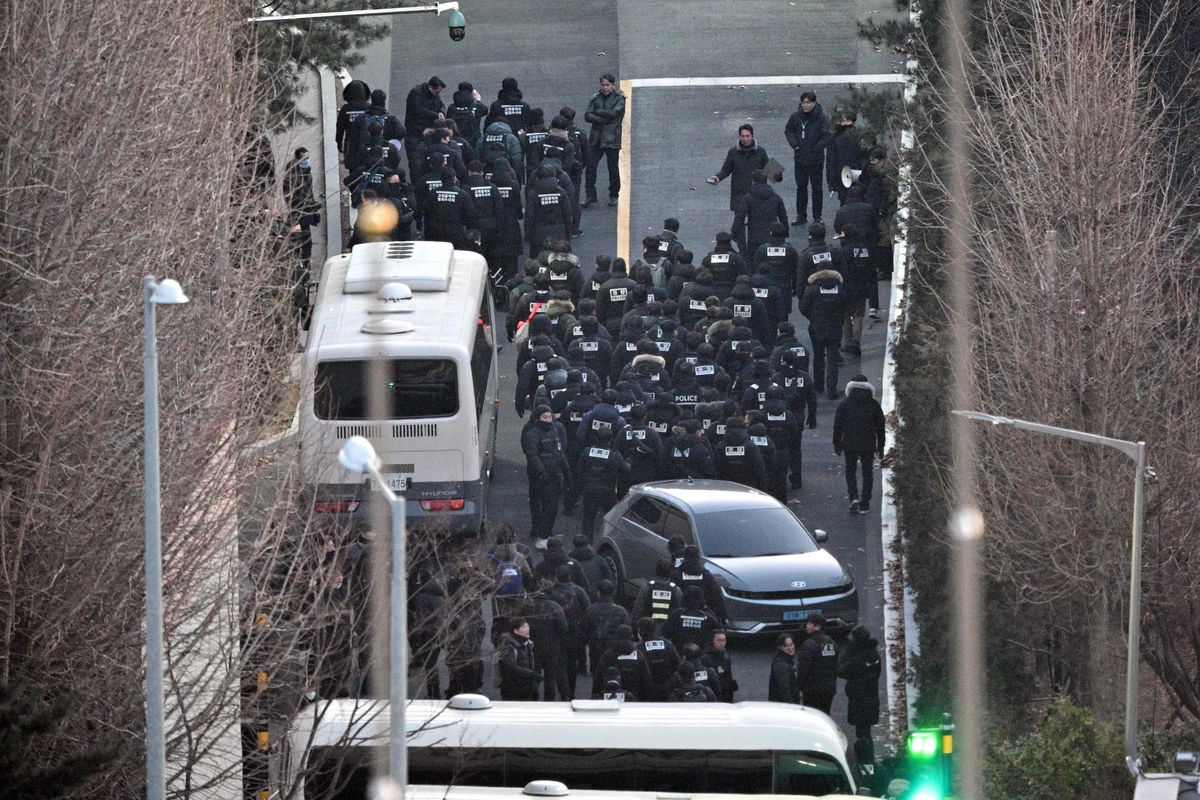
{"x":561,"y":313}
{"x":654,"y":367}
{"x":825,"y":303}
{"x":859,"y":433}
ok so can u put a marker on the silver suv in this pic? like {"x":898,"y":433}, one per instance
{"x":772,"y":571}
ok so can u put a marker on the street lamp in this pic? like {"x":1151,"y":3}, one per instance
{"x":1136,"y":451}
{"x":154,"y":293}
{"x":429,"y":8}
{"x":357,"y":455}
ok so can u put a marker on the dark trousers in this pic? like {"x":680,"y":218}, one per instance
{"x":796,"y":466}
{"x":825,"y":363}
{"x":556,"y":684}
{"x":866,"y":459}
{"x":576,"y":208}
{"x":466,"y":677}
{"x":543,"y":505}
{"x":808,"y":177}
{"x":865,"y":752}
{"x":820,"y":700}
{"x":614,"y":172}
{"x":595,"y":504}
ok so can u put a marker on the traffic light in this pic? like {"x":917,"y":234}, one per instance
{"x":929,"y":758}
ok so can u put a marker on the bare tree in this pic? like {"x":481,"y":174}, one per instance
{"x":1087,"y":319}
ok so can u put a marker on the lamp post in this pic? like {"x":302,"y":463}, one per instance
{"x":154,"y":293}
{"x":357,"y":455}
{"x":1137,"y":452}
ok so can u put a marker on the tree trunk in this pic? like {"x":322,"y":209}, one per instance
{"x":1106,"y":651}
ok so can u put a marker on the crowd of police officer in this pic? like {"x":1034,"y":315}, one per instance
{"x":495,"y":179}
{"x":559,"y":620}
{"x":668,"y":369}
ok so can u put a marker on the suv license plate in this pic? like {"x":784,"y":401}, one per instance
{"x":795,"y":616}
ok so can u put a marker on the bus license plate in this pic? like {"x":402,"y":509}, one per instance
{"x":397,"y":483}
{"x":793,"y":616}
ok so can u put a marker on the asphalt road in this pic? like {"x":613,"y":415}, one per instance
{"x":679,"y":137}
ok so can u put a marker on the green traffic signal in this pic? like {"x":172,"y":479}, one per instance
{"x":923,"y":745}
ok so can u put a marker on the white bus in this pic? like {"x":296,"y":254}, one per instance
{"x":559,"y":789}
{"x":716,"y":748}
{"x":427,"y":309}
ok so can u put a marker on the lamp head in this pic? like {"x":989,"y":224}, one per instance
{"x":168,"y":292}
{"x":357,"y":454}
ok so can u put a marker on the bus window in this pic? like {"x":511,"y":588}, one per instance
{"x":481,"y":355}
{"x":608,"y":769}
{"x":809,"y":773}
{"x":418,"y":388}
{"x":739,"y":772}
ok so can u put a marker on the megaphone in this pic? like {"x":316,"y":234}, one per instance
{"x":850,"y":176}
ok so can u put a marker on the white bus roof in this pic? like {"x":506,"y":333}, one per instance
{"x":579,"y":724}
{"x":418,"y":792}
{"x":447,"y":316}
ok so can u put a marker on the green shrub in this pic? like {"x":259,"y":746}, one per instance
{"x":1069,"y":756}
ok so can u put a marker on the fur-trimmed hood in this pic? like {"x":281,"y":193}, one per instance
{"x":643,"y":358}
{"x":555,"y":307}
{"x":861,"y":385}
{"x":824,"y":274}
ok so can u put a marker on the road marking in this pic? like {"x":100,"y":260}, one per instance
{"x":627,"y":87}
{"x":761,"y":80}
{"x":624,"y":168}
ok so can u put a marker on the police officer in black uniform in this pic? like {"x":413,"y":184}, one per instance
{"x":816,"y":665}
{"x":597,"y":472}
{"x":451,"y":211}
{"x":658,"y":596}
{"x":548,"y":211}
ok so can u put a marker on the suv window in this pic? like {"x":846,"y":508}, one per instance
{"x":677,"y":524}
{"x":648,"y":513}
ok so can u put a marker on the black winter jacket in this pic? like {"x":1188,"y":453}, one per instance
{"x":783,"y":687}
{"x":518,"y":668}
{"x":807,"y":136}
{"x":543,"y":446}
{"x":858,"y":423}
{"x":421,"y":111}
{"x":824,"y":303}
{"x":758,"y":208}
{"x":816,"y":664}
{"x":860,"y":666}
{"x":739,"y":163}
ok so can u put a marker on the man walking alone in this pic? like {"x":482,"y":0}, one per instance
{"x":858,"y":432}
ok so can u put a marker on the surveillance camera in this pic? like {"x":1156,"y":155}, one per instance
{"x":458,"y":26}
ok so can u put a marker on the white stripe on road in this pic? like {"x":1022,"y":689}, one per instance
{"x":766,"y":80}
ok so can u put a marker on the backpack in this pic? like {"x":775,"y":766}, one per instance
{"x":509,"y":580}
{"x":364,"y":123}
{"x":658,"y":272}
{"x":695,"y":694}
{"x":464,"y":117}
